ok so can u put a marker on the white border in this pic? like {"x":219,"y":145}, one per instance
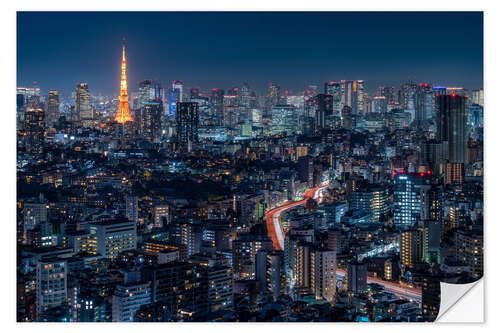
{"x":7,"y":132}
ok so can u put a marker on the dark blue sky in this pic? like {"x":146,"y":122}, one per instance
{"x":224,"y":49}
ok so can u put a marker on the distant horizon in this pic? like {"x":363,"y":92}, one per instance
{"x":291,"y":49}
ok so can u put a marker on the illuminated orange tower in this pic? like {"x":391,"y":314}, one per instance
{"x":123,"y":114}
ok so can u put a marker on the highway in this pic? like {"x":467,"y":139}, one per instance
{"x":273,"y":220}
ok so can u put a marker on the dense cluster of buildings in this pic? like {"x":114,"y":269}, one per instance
{"x":156,"y":207}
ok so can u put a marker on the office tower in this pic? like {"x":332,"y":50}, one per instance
{"x":83,"y":110}
{"x":359,"y":93}
{"x":217,"y":100}
{"x":34,"y":214}
{"x":123,"y":115}
{"x":20,"y":107}
{"x":379,"y":104}
{"x":423,"y":99}
{"x":347,"y":118}
{"x":469,"y":250}
{"x":132,"y":208}
{"x":334,"y":240}
{"x":34,"y":127}
{"x":51,"y":284}
{"x":411,"y":248}
{"x":323,"y":273}
{"x":356,"y":278}
{"x":161,"y":216}
{"x":128,"y":298}
{"x":284,"y":119}
{"x":451,"y":121}
{"x":174,"y":96}
{"x":272,"y":97}
{"x":476,"y":116}
{"x":187,"y":118}
{"x":324,"y":109}
{"x":333,"y":88}
{"x":114,"y":236}
{"x":388,"y":93}
{"x":53,"y":107}
{"x":151,"y":119}
{"x":478,"y":97}
{"x":407,"y":197}
{"x":406,"y":95}
{"x":145,"y":93}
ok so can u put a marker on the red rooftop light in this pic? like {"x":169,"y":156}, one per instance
{"x":428,"y":172}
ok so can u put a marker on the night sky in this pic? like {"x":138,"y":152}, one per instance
{"x":224,"y":49}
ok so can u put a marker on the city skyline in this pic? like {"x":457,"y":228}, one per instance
{"x":157,"y":50}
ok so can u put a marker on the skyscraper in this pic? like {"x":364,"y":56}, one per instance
{"x":407,"y":197}
{"x":272,"y":97}
{"x":151,"y":113}
{"x":174,"y":96}
{"x":53,"y":106}
{"x":83,"y":110}
{"x":284,"y":119}
{"x":34,"y":126}
{"x":451,"y":122}
{"x":123,"y":115}
{"x":217,"y":100}
{"x":187,"y":118}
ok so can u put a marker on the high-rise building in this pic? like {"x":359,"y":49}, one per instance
{"x":53,"y":107}
{"x":284,"y":119}
{"x":356,"y":278}
{"x":123,"y":115}
{"x":83,"y":109}
{"x":187,"y":119}
{"x":451,"y":127}
{"x":175,"y":95}
{"x":217,"y":100}
{"x":407,"y":197}
{"x":478,"y":97}
{"x":323,"y":273}
{"x":411,"y":247}
{"x":151,"y":119}
{"x":347,"y":118}
{"x":379,"y":104}
{"x":34,"y":127}
{"x":324,"y":109}
{"x":51,"y":284}
{"x":374,"y":200}
{"x":272,"y":97}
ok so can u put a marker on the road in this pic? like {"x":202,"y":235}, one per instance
{"x":273,"y":220}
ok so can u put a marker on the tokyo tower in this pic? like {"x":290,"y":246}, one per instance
{"x":123,"y":114}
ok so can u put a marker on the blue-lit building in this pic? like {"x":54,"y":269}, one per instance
{"x":407,"y":197}
{"x":174,"y":96}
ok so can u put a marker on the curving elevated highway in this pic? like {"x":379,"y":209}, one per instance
{"x":273,"y":220}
